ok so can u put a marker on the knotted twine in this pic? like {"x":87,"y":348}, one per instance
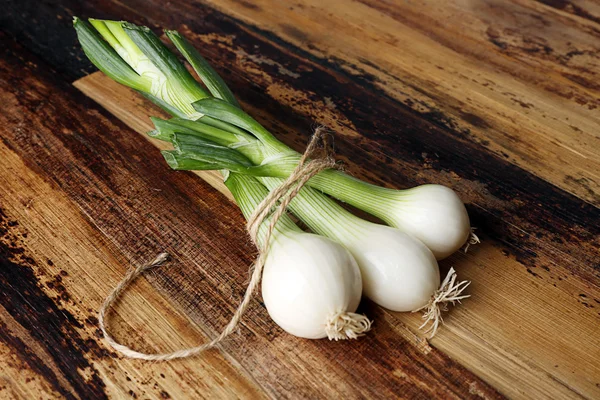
{"x":343,"y":327}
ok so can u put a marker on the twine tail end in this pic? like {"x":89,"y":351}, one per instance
{"x":158,"y":261}
{"x":450,"y":291}
{"x":344,"y":325}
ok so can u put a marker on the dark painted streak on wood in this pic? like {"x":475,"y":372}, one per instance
{"x":68,"y":140}
{"x":571,"y":8}
{"x":53,"y":327}
{"x":46,"y":28}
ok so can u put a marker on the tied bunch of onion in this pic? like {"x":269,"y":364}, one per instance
{"x":312,"y":282}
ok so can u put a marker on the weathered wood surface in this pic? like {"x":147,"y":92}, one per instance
{"x":495,"y":99}
{"x":120,"y":190}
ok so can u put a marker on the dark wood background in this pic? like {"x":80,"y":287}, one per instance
{"x":496,"y":99}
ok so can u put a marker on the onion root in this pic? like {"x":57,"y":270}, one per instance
{"x":473,"y":239}
{"x":347,"y":325}
{"x":450,"y":291}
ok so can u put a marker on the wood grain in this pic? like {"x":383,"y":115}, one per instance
{"x":56,"y":271}
{"x":121,"y":192}
{"x":517,"y":77}
{"x":495,"y":99}
{"x":503,"y":293}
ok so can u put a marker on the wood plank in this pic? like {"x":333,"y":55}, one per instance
{"x":532,"y":255}
{"x":55,"y":271}
{"x":94,"y":196}
{"x":504,"y":297}
{"x":516,"y":77}
{"x":541,"y":243}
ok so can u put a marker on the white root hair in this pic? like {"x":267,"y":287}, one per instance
{"x":473,"y":239}
{"x":347,"y":325}
{"x":450,"y":291}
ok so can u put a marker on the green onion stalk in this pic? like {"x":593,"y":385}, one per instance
{"x":210,"y":131}
{"x":135,"y":57}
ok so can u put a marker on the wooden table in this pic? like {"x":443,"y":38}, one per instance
{"x":496,"y":99}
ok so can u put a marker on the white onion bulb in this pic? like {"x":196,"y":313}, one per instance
{"x":309,"y":283}
{"x":435,"y":215}
{"x":399,"y":272}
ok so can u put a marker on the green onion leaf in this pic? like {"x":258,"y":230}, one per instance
{"x":207,"y":150}
{"x":103,"y":56}
{"x":173,"y":111}
{"x":226,"y":127}
{"x":162,"y":57}
{"x":195,"y":162}
{"x":225,"y":112}
{"x":113,"y":33}
{"x":215,"y":84}
{"x":176,"y":86}
{"x":166,"y":128}
{"x":182,"y":162}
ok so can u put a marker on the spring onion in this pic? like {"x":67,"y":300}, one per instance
{"x":311,"y":284}
{"x":309,"y":280}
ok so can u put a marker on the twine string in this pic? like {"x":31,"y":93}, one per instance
{"x":274,"y":205}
